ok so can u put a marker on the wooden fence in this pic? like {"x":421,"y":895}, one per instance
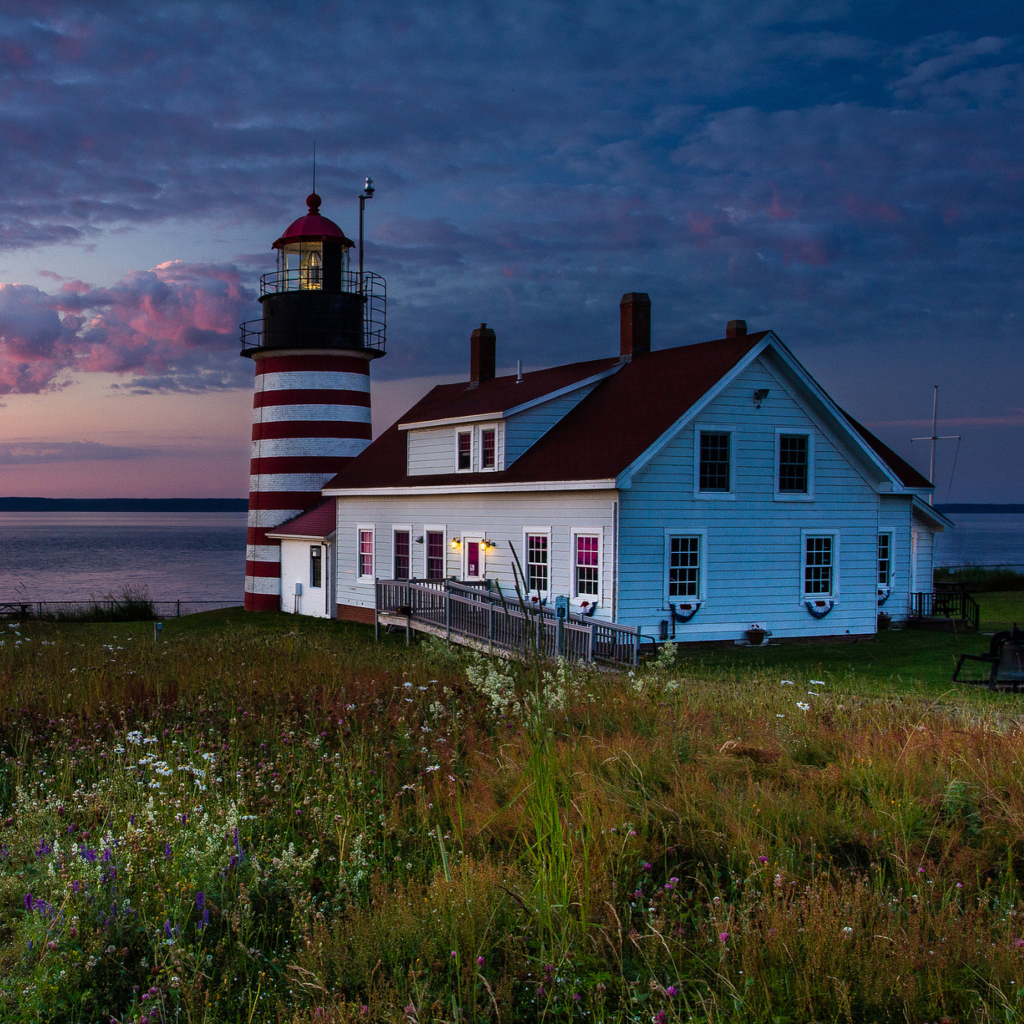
{"x":487,"y":620}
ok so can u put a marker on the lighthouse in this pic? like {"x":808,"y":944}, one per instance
{"x":322,"y":324}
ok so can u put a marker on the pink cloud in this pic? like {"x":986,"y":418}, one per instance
{"x":178,"y":320}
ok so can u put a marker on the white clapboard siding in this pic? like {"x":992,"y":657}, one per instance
{"x":754,"y":543}
{"x":925,"y":555}
{"x":432,"y":450}
{"x":499,"y":517}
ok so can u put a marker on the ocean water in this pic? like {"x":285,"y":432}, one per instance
{"x":989,"y":539}
{"x":73,"y":556}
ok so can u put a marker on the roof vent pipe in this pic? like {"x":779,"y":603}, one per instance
{"x":634,"y":325}
{"x":482,"y":355}
{"x":735,"y":328}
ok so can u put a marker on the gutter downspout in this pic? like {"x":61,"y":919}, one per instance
{"x":615,"y":561}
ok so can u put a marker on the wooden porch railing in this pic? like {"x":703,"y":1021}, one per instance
{"x":486,"y":619}
{"x":946,"y":604}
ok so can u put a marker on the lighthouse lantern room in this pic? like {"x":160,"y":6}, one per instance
{"x":322,"y":325}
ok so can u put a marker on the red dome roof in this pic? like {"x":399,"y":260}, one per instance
{"x":313,"y":227}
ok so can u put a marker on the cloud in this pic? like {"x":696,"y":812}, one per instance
{"x":35,"y":453}
{"x":174,"y":327}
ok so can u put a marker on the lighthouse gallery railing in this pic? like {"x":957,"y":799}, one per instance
{"x":493,"y":621}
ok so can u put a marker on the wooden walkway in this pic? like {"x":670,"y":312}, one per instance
{"x":487,"y":621}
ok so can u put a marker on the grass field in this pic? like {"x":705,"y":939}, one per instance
{"x":270,"y":819}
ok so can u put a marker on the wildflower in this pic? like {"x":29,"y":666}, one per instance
{"x":762,"y":859}
{"x":815,"y":682}
{"x":670,"y":991}
{"x":802,"y":706}
{"x":847,"y":930}
{"x":646,"y":865}
{"x":480,"y":961}
{"x":723,"y":937}
{"x":785,"y":682}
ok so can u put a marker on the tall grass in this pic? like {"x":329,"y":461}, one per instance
{"x":265,"y":819}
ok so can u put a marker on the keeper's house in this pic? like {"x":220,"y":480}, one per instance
{"x":692,"y":491}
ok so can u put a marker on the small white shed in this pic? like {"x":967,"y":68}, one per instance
{"x":309,"y":562}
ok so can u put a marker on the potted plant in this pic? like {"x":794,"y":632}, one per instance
{"x":884,"y":620}
{"x":755,"y":635}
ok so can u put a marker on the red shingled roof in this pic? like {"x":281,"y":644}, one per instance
{"x":615,"y":424}
{"x":320,"y":521}
{"x":905,"y":472}
{"x":599,"y":438}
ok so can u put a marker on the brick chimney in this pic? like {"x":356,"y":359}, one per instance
{"x":634,"y":325}
{"x":482,"y":355}
{"x":735,"y":328}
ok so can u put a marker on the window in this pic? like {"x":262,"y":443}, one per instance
{"x":401,"y":566}
{"x":792,"y":463}
{"x":537,"y":562}
{"x":315,"y":566}
{"x":715,"y":461}
{"x":683,"y":567}
{"x":884,"y":559}
{"x":819,"y":566}
{"x":366,"y":552}
{"x":587,"y":570}
{"x":488,"y":448}
{"x":464,"y":461}
{"x":435,"y":554}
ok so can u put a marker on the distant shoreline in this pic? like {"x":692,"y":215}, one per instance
{"x":124,"y":504}
{"x":968,"y":509}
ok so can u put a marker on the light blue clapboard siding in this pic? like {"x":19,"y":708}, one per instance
{"x":925,"y":556}
{"x":498,"y":517}
{"x":754,"y":542}
{"x":894,"y":514}
{"x":526,"y":428}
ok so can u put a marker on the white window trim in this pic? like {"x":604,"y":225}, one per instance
{"x":323,"y":573}
{"x":467,"y":538}
{"x":536,"y":530}
{"x":714,"y":428}
{"x":834,"y":534}
{"x":794,"y":495}
{"x":499,"y":446}
{"x":362,"y":528}
{"x":891,"y":531}
{"x":584,"y":531}
{"x":443,"y":530}
{"x":471,"y":431}
{"x":401,"y":528}
{"x":702,"y":569}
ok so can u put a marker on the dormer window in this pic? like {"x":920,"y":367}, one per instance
{"x":488,"y":448}
{"x":464,"y":451}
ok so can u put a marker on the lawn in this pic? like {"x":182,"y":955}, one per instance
{"x":271,"y":819}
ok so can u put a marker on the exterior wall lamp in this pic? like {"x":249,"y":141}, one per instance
{"x":759,"y":396}
{"x":488,"y":545}
{"x":456,"y":543}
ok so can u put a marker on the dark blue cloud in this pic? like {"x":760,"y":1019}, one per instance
{"x":847,"y":173}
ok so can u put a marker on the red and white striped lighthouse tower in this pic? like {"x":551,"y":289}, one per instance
{"x":322,"y":324}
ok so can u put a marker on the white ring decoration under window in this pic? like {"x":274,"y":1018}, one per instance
{"x":819,"y":608}
{"x":883,"y":595}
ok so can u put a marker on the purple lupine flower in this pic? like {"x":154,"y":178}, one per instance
{"x":167,"y":929}
{"x":200,"y":900}
{"x":89,"y":855}
{"x":168,"y":852}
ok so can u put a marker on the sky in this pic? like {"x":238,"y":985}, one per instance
{"x":848,"y":174}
